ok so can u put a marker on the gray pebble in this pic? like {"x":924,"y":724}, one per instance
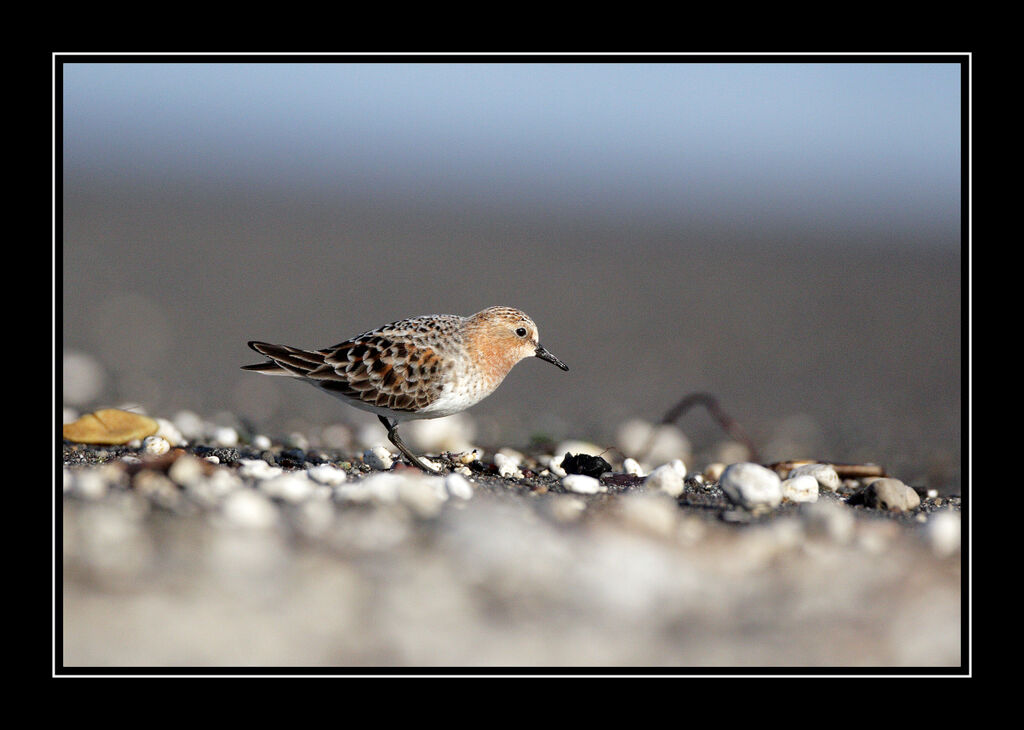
{"x":751,"y":485}
{"x":824,"y":473}
{"x":891,"y":494}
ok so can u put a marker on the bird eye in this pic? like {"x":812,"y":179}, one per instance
{"x":520,"y":332}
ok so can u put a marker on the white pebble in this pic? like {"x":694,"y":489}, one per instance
{"x":458,"y":486}
{"x":943,"y":533}
{"x":210,"y":490}
{"x":189,"y":425}
{"x":436,"y":435}
{"x":292,"y":487}
{"x":424,"y":494}
{"x":377,"y":487}
{"x":224,"y":436}
{"x":261,"y":442}
{"x":656,"y":443}
{"x":248,"y":508}
{"x":829,"y":518}
{"x":186,"y":470}
{"x":258,"y":469}
{"x":891,"y":494}
{"x":212,"y":459}
{"x":577,"y":447}
{"x":632,"y":466}
{"x":825,"y":474}
{"x":713,"y":471}
{"x":155,"y":445}
{"x":89,"y":484}
{"x":666,"y":478}
{"x":468,"y":457}
{"x":554,"y":463}
{"x":508,"y":466}
{"x":297,"y":440}
{"x":314,"y":517}
{"x":378,"y":458}
{"x":751,"y":485}
{"x":169,"y":431}
{"x":801,"y":488}
{"x":83,"y":377}
{"x":566,"y":508}
{"x":656,"y":514}
{"x":582,"y":484}
{"x":326,"y":474}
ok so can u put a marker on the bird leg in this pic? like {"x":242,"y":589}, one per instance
{"x":397,"y":441}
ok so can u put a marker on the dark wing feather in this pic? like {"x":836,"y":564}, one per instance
{"x":371,"y":368}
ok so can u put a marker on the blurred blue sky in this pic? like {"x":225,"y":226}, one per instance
{"x":870,"y":144}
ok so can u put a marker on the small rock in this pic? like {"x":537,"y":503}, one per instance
{"x":292,"y":487}
{"x":751,"y":485}
{"x":582,"y":484}
{"x":458,"y":486}
{"x":666,"y":478}
{"x":89,"y":483}
{"x":156,"y":445}
{"x":579,"y":447}
{"x":566,"y":508}
{"x":258,"y":469}
{"x":425,"y":495}
{"x":83,"y":377}
{"x":261,"y":442}
{"x":656,"y":514}
{"x":326,"y":474}
{"x":189,"y":424}
{"x":224,"y":436}
{"x":829,"y":518}
{"x":508,"y":466}
{"x":554,"y":464}
{"x":800,"y":488}
{"x":825,"y":474}
{"x":378,"y":458}
{"x":656,"y":444}
{"x":186,"y":470}
{"x":297,"y":440}
{"x":591,"y":466}
{"x":468,"y":457}
{"x":632,"y":466}
{"x":170,"y":432}
{"x":943,"y":532}
{"x":713,"y":471}
{"x":208,"y":491}
{"x":436,"y":435}
{"x":248,"y":508}
{"x":890,"y":494}
{"x":314,"y":517}
{"x":158,"y":488}
{"x":377,"y":487}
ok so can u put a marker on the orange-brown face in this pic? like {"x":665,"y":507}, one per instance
{"x":503,"y":336}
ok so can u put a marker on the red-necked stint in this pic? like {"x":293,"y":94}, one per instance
{"x":423,"y":367}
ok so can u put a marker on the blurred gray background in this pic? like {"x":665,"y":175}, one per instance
{"x":783,"y":235}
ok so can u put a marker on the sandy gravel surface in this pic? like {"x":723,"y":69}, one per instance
{"x":176,"y":561}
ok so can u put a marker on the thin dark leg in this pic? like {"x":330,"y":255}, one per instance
{"x":397,"y":441}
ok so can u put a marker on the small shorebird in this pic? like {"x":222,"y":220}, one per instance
{"x":424,"y":367}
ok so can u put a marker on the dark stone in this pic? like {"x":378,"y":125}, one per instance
{"x":591,"y":466}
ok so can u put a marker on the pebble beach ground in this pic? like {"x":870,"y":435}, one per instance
{"x":206,"y":546}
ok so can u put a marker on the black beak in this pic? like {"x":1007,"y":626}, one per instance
{"x":543,"y":354}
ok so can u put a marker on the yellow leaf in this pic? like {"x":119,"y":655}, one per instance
{"x":109,"y":426}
